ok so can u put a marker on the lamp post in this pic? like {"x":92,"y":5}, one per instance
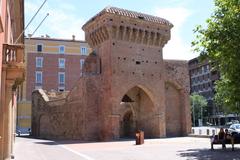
{"x":193,"y":115}
{"x":201,"y":115}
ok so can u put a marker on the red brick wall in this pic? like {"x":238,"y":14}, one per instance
{"x":50,"y":71}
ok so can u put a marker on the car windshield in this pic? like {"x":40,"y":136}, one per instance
{"x":237,"y":126}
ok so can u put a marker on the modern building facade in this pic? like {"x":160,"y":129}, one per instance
{"x":202,"y":79}
{"x":11,"y":70}
{"x":126,"y":84}
{"x":51,"y":64}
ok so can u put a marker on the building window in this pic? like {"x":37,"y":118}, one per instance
{"x":38,"y":77}
{"x":61,"y":77}
{"x":39,"y":47}
{"x":81,"y":66}
{"x":61,"y":89}
{"x":61,"y":63}
{"x":39,"y":62}
{"x":84,"y":51}
{"x":61,"y":49}
{"x":81,"y":63}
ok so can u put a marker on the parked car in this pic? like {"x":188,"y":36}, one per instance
{"x":234,"y":129}
{"x":18,"y":132}
{"x":209,"y":124}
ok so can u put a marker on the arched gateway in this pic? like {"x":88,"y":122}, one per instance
{"x":126,"y":84}
{"x":137,"y":111}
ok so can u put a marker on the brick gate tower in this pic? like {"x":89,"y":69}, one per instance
{"x":130,"y":47}
{"x":126,"y":84}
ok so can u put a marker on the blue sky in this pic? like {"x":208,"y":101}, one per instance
{"x":67,"y":17}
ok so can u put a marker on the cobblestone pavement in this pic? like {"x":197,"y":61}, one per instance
{"x":153,"y":149}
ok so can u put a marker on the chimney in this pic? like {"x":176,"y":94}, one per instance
{"x":73,"y":37}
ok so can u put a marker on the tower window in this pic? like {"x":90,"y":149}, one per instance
{"x":138,"y":62}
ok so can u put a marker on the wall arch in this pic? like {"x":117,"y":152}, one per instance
{"x":173,"y":109}
{"x":143,"y":87}
{"x":142,"y":109}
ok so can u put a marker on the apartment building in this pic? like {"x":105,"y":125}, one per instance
{"x":51,"y":64}
{"x":11,"y":70}
{"x":202,"y":79}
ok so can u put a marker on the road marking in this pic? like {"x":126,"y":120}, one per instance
{"x":78,"y":153}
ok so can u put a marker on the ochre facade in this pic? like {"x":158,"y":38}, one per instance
{"x":126,"y":86}
{"x":50,"y":55}
{"x":11,"y":70}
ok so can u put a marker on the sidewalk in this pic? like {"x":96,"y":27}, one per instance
{"x":180,"y":148}
{"x":36,"y":149}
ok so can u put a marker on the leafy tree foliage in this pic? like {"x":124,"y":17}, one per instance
{"x":220,"y":43}
{"x":199,"y":106}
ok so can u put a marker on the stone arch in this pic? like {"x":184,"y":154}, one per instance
{"x":44,"y":128}
{"x":128,"y":124}
{"x":143,"y":87}
{"x":174,"y":109}
{"x":140,"y":106}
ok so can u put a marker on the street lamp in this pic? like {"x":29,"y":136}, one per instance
{"x":193,"y":115}
{"x":201,"y":115}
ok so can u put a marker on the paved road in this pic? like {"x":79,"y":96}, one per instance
{"x":185,"y":148}
{"x":36,"y":149}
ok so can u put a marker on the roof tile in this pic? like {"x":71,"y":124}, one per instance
{"x":132,"y":14}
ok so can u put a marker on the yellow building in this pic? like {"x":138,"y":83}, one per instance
{"x":51,"y":64}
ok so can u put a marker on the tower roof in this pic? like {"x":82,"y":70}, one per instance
{"x":131,"y":14}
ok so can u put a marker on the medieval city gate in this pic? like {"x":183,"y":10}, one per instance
{"x":126,"y":85}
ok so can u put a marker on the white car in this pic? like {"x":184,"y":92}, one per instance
{"x":234,"y":129}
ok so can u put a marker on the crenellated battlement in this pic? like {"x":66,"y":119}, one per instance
{"x":124,"y":25}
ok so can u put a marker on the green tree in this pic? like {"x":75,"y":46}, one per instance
{"x":198,"y":107}
{"x":220,"y":43}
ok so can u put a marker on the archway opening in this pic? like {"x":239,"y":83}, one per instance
{"x":128,"y":125}
{"x":137,"y":113}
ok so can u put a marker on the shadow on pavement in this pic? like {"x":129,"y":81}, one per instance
{"x":207,"y":154}
{"x":62,"y":142}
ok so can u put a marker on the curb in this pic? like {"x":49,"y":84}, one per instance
{"x":199,"y":136}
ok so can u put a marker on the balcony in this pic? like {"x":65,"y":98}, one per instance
{"x":13,"y":62}
{"x":13,"y":54}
